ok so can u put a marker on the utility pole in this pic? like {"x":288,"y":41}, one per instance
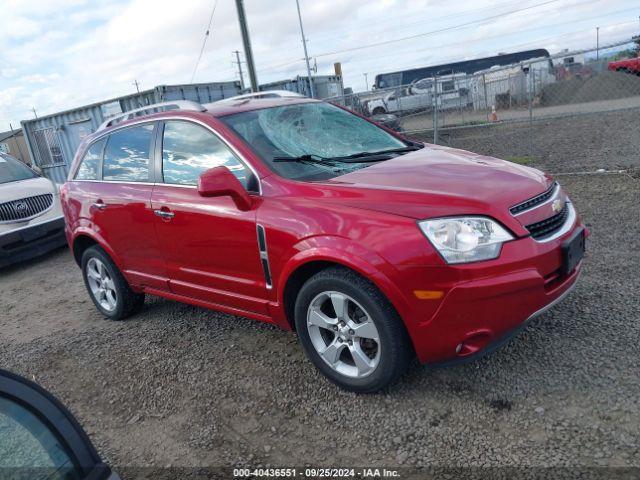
{"x":597,"y":43}
{"x":306,"y":55}
{"x":34,"y":112}
{"x":14,"y":135}
{"x":239,"y":63}
{"x":135,"y":82}
{"x":242,"y":18}
{"x":366,"y":81}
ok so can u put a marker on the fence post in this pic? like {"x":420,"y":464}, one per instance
{"x":530,"y":101}
{"x":435,"y":109}
{"x":486,"y":96}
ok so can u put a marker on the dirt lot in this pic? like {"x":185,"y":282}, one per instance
{"x":181,"y":386}
{"x":586,"y":142}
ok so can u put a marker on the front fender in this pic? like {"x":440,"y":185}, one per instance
{"x":350,"y":254}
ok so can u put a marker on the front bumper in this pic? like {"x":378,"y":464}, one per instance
{"x":32,"y":241}
{"x":487,"y":303}
{"x":465,"y":356}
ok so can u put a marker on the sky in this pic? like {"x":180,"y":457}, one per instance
{"x":61,"y":54}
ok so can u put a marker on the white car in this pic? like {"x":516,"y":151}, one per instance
{"x":419,"y":96}
{"x":31,"y":220}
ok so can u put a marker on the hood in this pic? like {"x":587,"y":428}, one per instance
{"x":26,"y":188}
{"x":438,"y":181}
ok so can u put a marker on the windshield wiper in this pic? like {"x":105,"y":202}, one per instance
{"x":382,"y":153}
{"x":304,"y":158}
{"x":359,"y":157}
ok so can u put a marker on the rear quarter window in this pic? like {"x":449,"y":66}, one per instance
{"x":126,"y":156}
{"x":89,"y":168}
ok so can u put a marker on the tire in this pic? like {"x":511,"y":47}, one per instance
{"x":378,"y":111}
{"x":387,"y":357}
{"x":107,"y":287}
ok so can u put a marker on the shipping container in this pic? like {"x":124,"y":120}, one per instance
{"x":52,"y":140}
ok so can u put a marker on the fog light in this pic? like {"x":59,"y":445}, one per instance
{"x":474,"y":342}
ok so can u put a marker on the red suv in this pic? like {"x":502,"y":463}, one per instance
{"x":296,"y":212}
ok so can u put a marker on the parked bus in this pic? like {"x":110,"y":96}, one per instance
{"x":395,"y":79}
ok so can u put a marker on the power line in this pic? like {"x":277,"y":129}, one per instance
{"x":574,"y":32}
{"x":454,"y":27}
{"x":204,"y":42}
{"x":519,"y":32}
{"x":267,"y":67}
{"x":440,"y":30}
{"x":390,"y":27}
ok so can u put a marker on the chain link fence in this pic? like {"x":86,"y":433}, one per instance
{"x":540,"y":111}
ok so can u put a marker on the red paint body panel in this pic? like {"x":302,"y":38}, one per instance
{"x":208,"y":255}
{"x":631,"y":65}
{"x":210,"y":249}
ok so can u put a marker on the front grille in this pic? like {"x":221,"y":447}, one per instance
{"x":24,"y":208}
{"x":551,"y":225}
{"x":532,"y":202}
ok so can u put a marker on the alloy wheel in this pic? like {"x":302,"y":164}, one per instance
{"x":343,"y":334}
{"x":101,"y":284}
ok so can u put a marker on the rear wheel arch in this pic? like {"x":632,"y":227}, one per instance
{"x":107,"y":287}
{"x":80,"y":244}
{"x":84,"y":239}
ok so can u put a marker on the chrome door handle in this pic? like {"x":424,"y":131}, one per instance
{"x":100,"y":205}
{"x":163,"y":214}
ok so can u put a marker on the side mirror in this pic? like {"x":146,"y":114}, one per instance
{"x":36,"y":169}
{"x":220,"y":182}
{"x":41,"y":438}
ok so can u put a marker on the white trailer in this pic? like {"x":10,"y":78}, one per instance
{"x":507,"y":87}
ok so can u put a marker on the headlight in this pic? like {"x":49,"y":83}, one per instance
{"x":465,"y":239}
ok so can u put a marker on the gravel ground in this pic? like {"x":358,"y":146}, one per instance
{"x":586,"y":142}
{"x":182,"y":386}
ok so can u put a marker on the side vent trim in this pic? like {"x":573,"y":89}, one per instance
{"x":264,"y":256}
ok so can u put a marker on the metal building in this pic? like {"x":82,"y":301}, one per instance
{"x":325,"y":86}
{"x":52,"y":140}
{"x":12,"y":142}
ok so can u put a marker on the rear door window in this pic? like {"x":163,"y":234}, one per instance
{"x":126,"y":157}
{"x":189,"y":149}
{"x":89,"y":168}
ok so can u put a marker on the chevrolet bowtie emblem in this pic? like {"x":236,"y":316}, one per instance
{"x":557,"y":205}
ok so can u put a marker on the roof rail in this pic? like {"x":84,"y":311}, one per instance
{"x":265,"y":94}
{"x":153,"y":108}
